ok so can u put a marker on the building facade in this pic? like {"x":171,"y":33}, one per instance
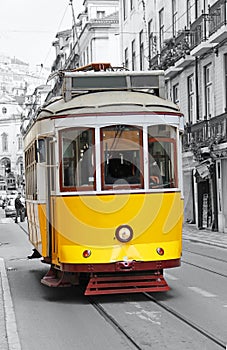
{"x":16,"y":80}
{"x":11,"y":144}
{"x":94,"y":37}
{"x":188,"y":39}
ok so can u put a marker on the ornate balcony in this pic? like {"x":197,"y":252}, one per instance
{"x":173,"y":50}
{"x":199,"y":34}
{"x":218,"y":128}
{"x":205,"y":136}
{"x":218,"y":21}
{"x":206,"y":32}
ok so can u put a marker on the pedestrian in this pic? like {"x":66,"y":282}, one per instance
{"x":18,"y":206}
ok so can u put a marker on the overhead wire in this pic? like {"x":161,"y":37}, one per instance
{"x":58,"y":29}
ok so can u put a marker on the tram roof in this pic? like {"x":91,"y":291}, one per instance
{"x":106,"y":102}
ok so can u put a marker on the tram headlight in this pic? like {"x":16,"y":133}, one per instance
{"x":124,"y":233}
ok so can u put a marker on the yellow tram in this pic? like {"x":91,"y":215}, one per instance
{"x":103,"y":181}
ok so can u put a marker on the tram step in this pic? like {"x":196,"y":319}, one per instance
{"x":55,"y":278}
{"x":126,"y":284}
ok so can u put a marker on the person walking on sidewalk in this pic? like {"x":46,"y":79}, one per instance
{"x":18,"y":206}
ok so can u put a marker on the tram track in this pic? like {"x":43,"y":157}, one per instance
{"x":188,"y":322}
{"x":205,"y":255}
{"x":114,"y":323}
{"x":204,"y":268}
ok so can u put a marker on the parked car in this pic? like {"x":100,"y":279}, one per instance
{"x":10,"y":210}
{"x":3,"y":195}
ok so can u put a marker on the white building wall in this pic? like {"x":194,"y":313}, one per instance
{"x":97,"y":6}
{"x":10,"y":123}
{"x":98,"y":37}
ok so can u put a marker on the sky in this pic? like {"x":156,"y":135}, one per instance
{"x":29,"y":27}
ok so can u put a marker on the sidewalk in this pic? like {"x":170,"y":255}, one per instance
{"x":191,"y":233}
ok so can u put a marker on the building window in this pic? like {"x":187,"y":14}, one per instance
{"x":133,"y":55}
{"x":176,"y":93}
{"x":208,"y":90}
{"x":125,"y":9}
{"x":4,"y":142}
{"x":100,"y":14}
{"x":191,"y":98}
{"x":19,"y":143}
{"x":21,"y":168}
{"x":174,"y":17}
{"x":225,"y":62}
{"x":141,"y":50}
{"x":132,"y":5}
{"x":152,"y":41}
{"x":87,"y":51}
{"x":196,"y":8}
{"x":188,"y":13}
{"x":161,"y":27}
{"x":4,"y":110}
{"x":126,"y":58}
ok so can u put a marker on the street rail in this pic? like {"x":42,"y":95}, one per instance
{"x":113,"y":322}
{"x":206,"y":256}
{"x":187,"y":321}
{"x":205,"y":268}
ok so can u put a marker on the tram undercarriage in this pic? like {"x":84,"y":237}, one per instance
{"x":115,"y":278}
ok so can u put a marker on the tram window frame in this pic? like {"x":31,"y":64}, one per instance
{"x":31,"y":172}
{"x":121,"y":156}
{"x":163,"y":166}
{"x":41,"y":150}
{"x":79,"y":156}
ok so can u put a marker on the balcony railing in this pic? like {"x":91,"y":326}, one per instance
{"x":198,"y":31}
{"x":206,"y":133}
{"x":172,"y":50}
{"x":188,"y":39}
{"x":217,"y":16}
{"x":218,"y":128}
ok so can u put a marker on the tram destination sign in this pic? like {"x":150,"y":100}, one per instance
{"x":76,"y":82}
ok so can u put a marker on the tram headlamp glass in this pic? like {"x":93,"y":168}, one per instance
{"x":124,"y":233}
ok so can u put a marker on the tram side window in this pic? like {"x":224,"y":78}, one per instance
{"x":41,"y":151}
{"x":31,"y":172}
{"x":77,"y":165}
{"x":122,"y":157}
{"x":162,"y":156}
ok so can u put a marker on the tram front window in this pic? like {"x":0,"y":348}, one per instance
{"x":77,"y":166}
{"x":121,"y":157}
{"x":162,"y":156}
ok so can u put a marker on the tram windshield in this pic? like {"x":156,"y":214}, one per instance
{"x":77,"y":165}
{"x":121,"y":157}
{"x":162,"y":156}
